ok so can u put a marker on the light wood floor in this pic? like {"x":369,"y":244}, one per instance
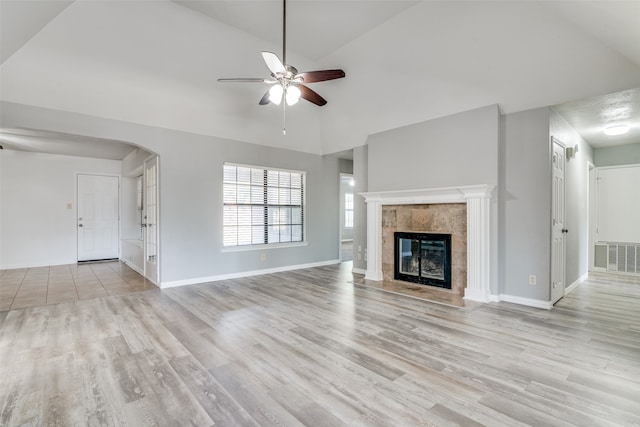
{"x":310,"y":348}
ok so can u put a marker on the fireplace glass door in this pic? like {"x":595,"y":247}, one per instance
{"x":423,"y":258}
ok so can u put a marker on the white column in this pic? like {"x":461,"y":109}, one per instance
{"x":374,"y":240}
{"x":478,"y":248}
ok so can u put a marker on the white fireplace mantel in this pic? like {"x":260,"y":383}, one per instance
{"x":478,"y":200}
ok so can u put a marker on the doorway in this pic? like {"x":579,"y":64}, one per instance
{"x":346,"y":216}
{"x":98,"y":217}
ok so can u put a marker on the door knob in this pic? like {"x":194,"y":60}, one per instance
{"x":564,"y":230}
{"x":79,"y":225}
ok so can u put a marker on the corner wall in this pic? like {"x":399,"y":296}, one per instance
{"x":360,"y":174}
{"x":527,"y":204}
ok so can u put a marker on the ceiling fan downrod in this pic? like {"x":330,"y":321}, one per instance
{"x":284,"y":32}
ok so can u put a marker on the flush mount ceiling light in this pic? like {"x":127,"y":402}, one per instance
{"x":616,"y":130}
{"x":287,"y":82}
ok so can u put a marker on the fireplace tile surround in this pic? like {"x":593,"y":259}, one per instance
{"x":449,"y":218}
{"x":476,"y":199}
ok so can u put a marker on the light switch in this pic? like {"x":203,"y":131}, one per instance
{"x":69,"y":206}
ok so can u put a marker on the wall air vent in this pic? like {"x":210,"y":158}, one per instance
{"x":622,"y":258}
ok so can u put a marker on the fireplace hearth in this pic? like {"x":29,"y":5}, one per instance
{"x":423,"y":258}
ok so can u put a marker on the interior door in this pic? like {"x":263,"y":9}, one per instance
{"x":98,"y":217}
{"x":558,"y":229}
{"x":151,"y":223}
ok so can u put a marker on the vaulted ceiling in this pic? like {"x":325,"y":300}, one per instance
{"x":157,"y":62}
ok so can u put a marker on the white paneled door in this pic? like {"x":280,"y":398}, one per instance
{"x":151,"y":220}
{"x":558,"y":227}
{"x":98,"y":217}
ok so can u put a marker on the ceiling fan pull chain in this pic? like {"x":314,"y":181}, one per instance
{"x":284,"y":118}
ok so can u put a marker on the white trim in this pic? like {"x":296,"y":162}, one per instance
{"x":478,"y":200}
{"x":242,"y":165}
{"x":429,"y":195}
{"x":575,"y":284}
{"x":197,"y":280}
{"x":265,"y":246}
{"x":72,"y":261}
{"x":133,"y":267}
{"x":358,"y":271}
{"x":632,"y":165}
{"x":547,"y":305}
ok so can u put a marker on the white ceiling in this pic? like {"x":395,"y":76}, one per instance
{"x":157,"y":62}
{"x":592,"y":115}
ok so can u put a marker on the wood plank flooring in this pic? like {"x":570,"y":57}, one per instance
{"x":309,"y":347}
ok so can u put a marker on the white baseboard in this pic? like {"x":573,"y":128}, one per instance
{"x":547,"y":305}
{"x":37,"y":265}
{"x":575,"y":284}
{"x":196,"y":280}
{"x":133,"y":267}
{"x":359,"y":270}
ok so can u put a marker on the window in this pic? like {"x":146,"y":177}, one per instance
{"x":348,"y":210}
{"x":262,"y":206}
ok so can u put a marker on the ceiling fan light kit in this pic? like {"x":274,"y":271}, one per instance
{"x":616,"y":130}
{"x":286,"y":82}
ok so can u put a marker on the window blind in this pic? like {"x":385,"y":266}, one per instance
{"x":262,"y":206}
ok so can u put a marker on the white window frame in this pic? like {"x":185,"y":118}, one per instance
{"x":348,"y":209}
{"x":227,"y":185}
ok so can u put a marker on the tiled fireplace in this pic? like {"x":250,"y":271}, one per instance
{"x":426,"y":224}
{"x":461,"y":212}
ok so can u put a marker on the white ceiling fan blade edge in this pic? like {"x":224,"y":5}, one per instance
{"x":273,"y":62}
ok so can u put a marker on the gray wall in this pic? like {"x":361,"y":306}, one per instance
{"x":576,"y":198}
{"x":461,"y":149}
{"x":38,"y":198}
{"x":617,"y":155}
{"x":527,"y":204}
{"x":360,"y":173}
{"x":191,"y":192}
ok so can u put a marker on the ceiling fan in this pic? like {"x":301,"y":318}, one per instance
{"x":287,"y":83}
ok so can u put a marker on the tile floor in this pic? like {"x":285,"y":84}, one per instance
{"x":30,"y":287}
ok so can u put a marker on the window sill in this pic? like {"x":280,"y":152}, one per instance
{"x":245,"y":248}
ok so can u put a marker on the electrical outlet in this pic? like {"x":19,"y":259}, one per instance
{"x":532,"y":279}
{"x":263,"y":256}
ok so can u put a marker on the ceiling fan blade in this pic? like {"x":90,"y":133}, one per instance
{"x":311,"y":95}
{"x":265,"y":99}
{"x":248,"y":79}
{"x":273,"y":63}
{"x":320,"y":75}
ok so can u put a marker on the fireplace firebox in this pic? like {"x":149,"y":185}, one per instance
{"x":423,"y":258}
